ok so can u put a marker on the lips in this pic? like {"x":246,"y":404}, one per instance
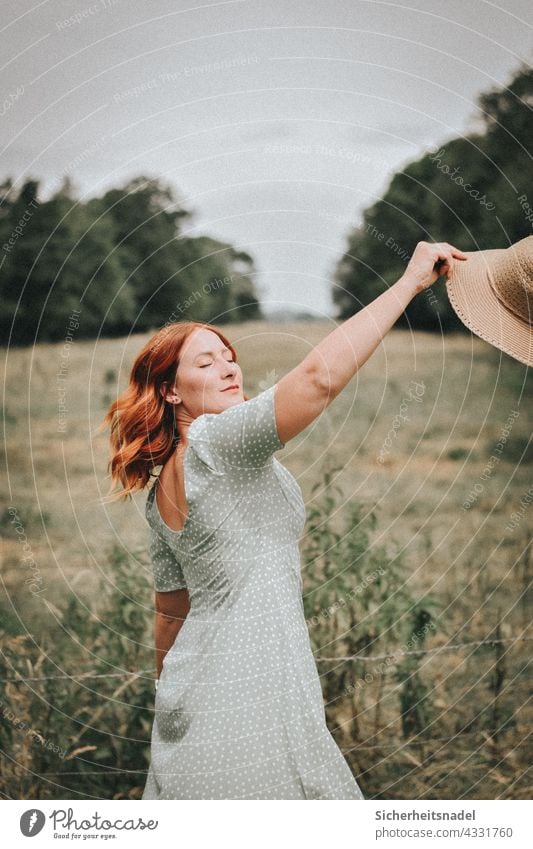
{"x":233,"y":386}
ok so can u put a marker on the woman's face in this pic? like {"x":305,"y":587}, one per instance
{"x":205,"y":376}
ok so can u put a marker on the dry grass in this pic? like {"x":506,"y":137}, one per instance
{"x":475,"y":564}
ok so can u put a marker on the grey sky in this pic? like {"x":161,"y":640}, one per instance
{"x":278,"y":148}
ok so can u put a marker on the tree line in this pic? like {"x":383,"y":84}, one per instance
{"x":120,"y":262}
{"x":475,"y":191}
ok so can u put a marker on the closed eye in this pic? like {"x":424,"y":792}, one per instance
{"x":208,"y":364}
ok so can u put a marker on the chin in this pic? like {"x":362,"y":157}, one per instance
{"x":232,"y":399}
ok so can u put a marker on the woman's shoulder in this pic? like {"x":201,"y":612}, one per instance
{"x":243,"y":436}
{"x":200,"y":441}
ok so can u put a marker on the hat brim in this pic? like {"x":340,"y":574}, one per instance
{"x":474,"y":301}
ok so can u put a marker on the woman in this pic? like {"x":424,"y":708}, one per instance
{"x":239,"y":712}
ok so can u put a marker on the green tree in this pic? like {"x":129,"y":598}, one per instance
{"x":467,"y":192}
{"x":121,"y":259}
{"x":143,"y":218}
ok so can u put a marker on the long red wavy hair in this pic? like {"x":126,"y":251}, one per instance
{"x":143,"y":425}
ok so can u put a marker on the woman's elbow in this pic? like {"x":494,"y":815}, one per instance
{"x":172,"y":605}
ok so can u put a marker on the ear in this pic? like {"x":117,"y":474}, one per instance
{"x":169,"y":395}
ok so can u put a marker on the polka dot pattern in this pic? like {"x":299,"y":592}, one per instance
{"x":239,"y":711}
{"x":166,"y":569}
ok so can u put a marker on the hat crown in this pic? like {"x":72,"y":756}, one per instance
{"x":511,"y":278}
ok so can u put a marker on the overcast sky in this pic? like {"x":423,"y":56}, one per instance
{"x":278,"y":147}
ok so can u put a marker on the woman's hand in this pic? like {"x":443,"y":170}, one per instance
{"x":428,"y":262}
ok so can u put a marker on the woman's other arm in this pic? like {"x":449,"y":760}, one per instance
{"x":171,"y":609}
{"x":303,"y":393}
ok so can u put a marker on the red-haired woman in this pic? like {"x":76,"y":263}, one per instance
{"x":239,"y":712}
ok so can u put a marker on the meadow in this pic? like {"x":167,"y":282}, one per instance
{"x":416,"y":565}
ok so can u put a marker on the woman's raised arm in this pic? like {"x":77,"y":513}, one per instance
{"x":306,"y":390}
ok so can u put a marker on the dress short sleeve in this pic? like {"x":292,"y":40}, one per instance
{"x":242,"y":437}
{"x":166,"y":569}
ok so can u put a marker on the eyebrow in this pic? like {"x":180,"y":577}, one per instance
{"x":204,"y":353}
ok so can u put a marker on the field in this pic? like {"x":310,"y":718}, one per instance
{"x":431,"y":442}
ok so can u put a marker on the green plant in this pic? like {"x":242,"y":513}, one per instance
{"x":71,"y":736}
{"x":356,"y":597}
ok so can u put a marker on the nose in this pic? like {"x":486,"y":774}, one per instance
{"x":231,"y":367}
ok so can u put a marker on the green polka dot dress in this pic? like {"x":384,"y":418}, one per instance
{"x":239,"y":712}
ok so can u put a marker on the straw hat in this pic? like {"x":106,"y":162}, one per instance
{"x":492,"y":293}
